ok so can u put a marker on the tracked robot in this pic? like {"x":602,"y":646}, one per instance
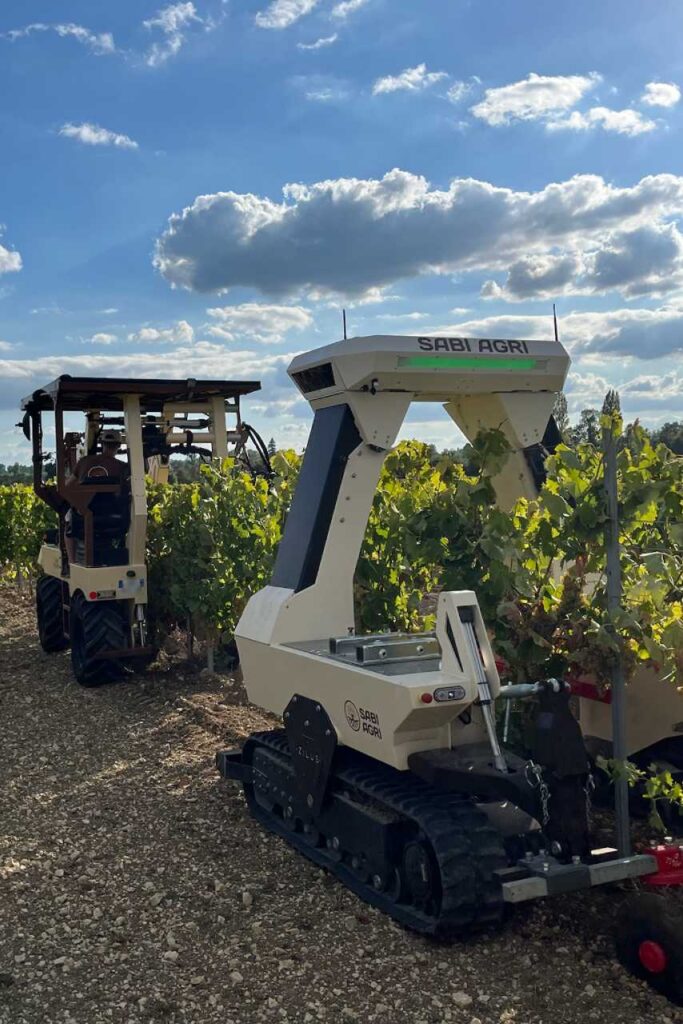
{"x":389,"y":771}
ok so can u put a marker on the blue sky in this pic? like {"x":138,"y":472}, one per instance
{"x":196,"y":189}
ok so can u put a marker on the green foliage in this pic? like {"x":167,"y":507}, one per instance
{"x":23,"y":521}
{"x":211,"y":544}
{"x":538,"y":571}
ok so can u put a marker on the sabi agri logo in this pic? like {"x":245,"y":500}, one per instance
{"x":352,"y":715}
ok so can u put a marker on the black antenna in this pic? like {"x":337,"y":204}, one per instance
{"x":344,"y":319}
{"x":557,"y":337}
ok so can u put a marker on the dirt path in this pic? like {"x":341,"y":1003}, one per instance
{"x":135,"y":888}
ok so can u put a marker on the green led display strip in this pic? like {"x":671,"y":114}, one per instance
{"x":467,"y":362}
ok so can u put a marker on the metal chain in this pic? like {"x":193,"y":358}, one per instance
{"x":588,"y":790}
{"x":533,"y":774}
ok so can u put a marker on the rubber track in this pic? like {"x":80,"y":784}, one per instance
{"x":50,"y":614}
{"x":103,"y":629}
{"x":467,"y":849}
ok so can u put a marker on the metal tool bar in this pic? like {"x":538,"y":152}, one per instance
{"x":532,"y":887}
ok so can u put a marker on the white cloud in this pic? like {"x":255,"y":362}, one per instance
{"x":661,"y":94}
{"x":638,"y":333}
{"x":319,"y":44}
{"x":647,"y":260}
{"x":204,"y":360}
{"x":181,"y":334}
{"x":172,"y":21}
{"x":93,"y":135}
{"x":5,"y":346}
{"x":283,"y":13}
{"x":412,"y":80}
{"x":349,"y":235}
{"x":533,"y":98}
{"x":346,"y":7}
{"x":458,"y":91}
{"x":102,"y":338}
{"x":326,"y":94}
{"x":623,"y":122}
{"x":99,"y":43}
{"x":258,"y":321}
{"x":10,"y":259}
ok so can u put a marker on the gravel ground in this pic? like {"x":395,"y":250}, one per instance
{"x":135,"y":888}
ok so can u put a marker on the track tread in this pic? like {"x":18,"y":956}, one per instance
{"x":466,"y":848}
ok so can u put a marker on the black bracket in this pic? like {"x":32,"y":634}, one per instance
{"x":312,"y":743}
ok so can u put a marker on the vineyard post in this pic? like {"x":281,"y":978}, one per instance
{"x":614,"y":597}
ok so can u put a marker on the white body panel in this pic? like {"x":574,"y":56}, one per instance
{"x":663,"y":718}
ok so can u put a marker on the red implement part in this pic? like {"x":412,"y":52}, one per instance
{"x":669,"y":859}
{"x":652,"y":957}
{"x":589,"y":690}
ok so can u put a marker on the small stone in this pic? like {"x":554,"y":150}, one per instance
{"x":589,"y":990}
{"x":348,"y":1014}
{"x":197,"y":979}
{"x":171,"y":955}
{"x":247,"y":900}
{"x":156,"y":899}
{"x":19,"y":958}
{"x":236,"y":978}
{"x":462,"y":1000}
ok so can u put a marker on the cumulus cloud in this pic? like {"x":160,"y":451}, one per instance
{"x":346,"y":7}
{"x":533,"y":98}
{"x":349,"y":235}
{"x":661,"y":94}
{"x":623,"y":122}
{"x":647,"y":260}
{"x":181,"y":333}
{"x":172,"y":22}
{"x":93,"y":135}
{"x":5,"y":346}
{"x":638,"y":333}
{"x":410,"y":80}
{"x":319,"y":44}
{"x":99,"y":43}
{"x":258,"y":321}
{"x":283,"y":13}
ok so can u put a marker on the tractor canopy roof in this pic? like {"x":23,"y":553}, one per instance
{"x":106,"y":393}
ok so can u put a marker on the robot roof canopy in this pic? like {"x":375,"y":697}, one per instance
{"x":431,"y":368}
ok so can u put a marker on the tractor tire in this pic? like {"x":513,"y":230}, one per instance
{"x":649,"y":941}
{"x":96,"y":626}
{"x":50,"y":614}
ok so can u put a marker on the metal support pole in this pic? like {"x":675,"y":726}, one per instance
{"x":614,"y":593}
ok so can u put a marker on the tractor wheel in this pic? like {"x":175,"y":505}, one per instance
{"x":96,"y":626}
{"x":50,"y":614}
{"x":650,"y":942}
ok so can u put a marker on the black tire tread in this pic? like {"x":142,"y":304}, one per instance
{"x":102,"y":629}
{"x":50,"y":614}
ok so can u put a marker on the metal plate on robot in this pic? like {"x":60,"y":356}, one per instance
{"x":349,"y":644}
{"x":398,"y":649}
